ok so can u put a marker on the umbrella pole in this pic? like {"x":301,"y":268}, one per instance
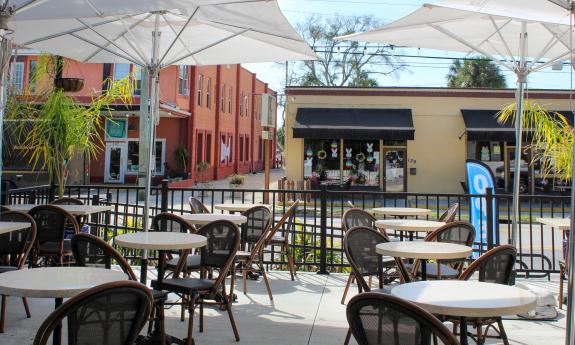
{"x":6,"y":51}
{"x":570,"y":261}
{"x":521,"y":71}
{"x":154,"y":77}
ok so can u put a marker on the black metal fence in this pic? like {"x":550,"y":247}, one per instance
{"x":316,"y":237}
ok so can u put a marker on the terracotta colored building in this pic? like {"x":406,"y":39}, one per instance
{"x":210,"y":111}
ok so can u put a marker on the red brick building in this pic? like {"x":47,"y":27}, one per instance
{"x":211,"y":111}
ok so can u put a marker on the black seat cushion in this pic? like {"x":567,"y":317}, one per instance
{"x":194,"y":262}
{"x":159,"y":295}
{"x":54,"y":247}
{"x":184,"y":285}
{"x":7,"y":269}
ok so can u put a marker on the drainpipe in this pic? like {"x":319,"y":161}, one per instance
{"x":253,"y":124}
{"x":216,"y":156}
{"x":192,"y":123}
{"x":238,"y":116}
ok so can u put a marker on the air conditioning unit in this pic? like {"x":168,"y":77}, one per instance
{"x":269,"y":110}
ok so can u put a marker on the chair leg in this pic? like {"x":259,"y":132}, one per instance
{"x":502,"y":331}
{"x":265,"y":276}
{"x":349,"y":279}
{"x":244,"y":280}
{"x":191,"y":307}
{"x":201,"y":316}
{"x":291,"y":264}
{"x":347,"y":337}
{"x":3,"y":313}
{"x":232,"y":282}
{"x":230,"y":314}
{"x":560,"y":298}
{"x":26,"y":307}
{"x":183,"y":310}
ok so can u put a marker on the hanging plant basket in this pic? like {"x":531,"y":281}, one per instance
{"x":69,"y":84}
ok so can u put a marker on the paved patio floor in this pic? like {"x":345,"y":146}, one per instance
{"x":304,"y":312}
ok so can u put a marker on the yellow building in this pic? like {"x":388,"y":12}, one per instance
{"x":406,"y":139}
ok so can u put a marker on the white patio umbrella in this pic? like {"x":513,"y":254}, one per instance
{"x":215,"y":32}
{"x":521,"y":36}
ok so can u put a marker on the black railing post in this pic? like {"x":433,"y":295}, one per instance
{"x":489,"y":210}
{"x":32,"y":197}
{"x":164,"y":204}
{"x":323,"y":232}
{"x":5,"y":196}
{"x":51,"y":193}
{"x":94,"y":217}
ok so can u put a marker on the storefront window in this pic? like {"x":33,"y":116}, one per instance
{"x":492,"y":153}
{"x":361,"y":162}
{"x":134,"y":157}
{"x":322,"y":161}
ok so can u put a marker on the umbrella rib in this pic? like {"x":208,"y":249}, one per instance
{"x":92,"y":6}
{"x":134,"y":43}
{"x":471,"y":46}
{"x":255,"y":30}
{"x":28,"y":5}
{"x":501,"y":36}
{"x":120,"y":36}
{"x":552,"y":42}
{"x":206,"y":47}
{"x":104,"y":48}
{"x":178,"y":34}
{"x":110,"y":42}
{"x":68,"y":32}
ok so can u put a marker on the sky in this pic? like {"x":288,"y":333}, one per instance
{"x":419,"y":72}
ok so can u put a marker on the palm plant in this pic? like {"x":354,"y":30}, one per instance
{"x":53,"y":127}
{"x":550,"y":137}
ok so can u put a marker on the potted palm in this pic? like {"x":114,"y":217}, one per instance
{"x":236,"y":180}
{"x":182,"y":155}
{"x":54,"y":127}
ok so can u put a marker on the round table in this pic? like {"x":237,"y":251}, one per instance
{"x":205,"y":218}
{"x":401,"y":211}
{"x":239,"y":207}
{"x":409,"y":225}
{"x":162,"y":242}
{"x":466,"y":299}
{"x":424,"y":251}
{"x":57,"y":283}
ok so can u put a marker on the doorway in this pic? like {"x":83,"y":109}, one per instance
{"x":116,"y":161}
{"x":394,"y":170}
{"x":526,"y":176}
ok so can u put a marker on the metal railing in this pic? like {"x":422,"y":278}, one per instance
{"x":316,"y":236}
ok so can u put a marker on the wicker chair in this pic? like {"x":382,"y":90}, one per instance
{"x":449,"y":215}
{"x":495,"y":266}
{"x":563,"y":270}
{"x":355,"y":217}
{"x":111,"y":314}
{"x":283,"y":241}
{"x":51,"y":224}
{"x":170,"y":222}
{"x":379,"y":319}
{"x":255,"y":232}
{"x":15,"y":247}
{"x":90,"y":250}
{"x":219,"y":254}
{"x":71,"y":201}
{"x":455,"y":232}
{"x":197,"y":206}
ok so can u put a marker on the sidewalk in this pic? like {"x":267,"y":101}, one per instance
{"x":252,"y":181}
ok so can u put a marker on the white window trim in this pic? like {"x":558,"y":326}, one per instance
{"x":127,"y":140}
{"x":184,"y":81}
{"x":21,"y":81}
{"x":200,"y":94}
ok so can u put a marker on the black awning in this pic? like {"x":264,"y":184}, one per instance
{"x":483,"y":125}
{"x":353,"y":123}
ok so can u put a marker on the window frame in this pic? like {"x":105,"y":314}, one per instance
{"x":200,"y":86}
{"x":18,"y":87}
{"x":183,"y":80}
{"x":209,"y":93}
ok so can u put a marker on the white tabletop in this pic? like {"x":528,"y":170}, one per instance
{"x":467,"y":298}
{"x":409,"y":224}
{"x":401,"y":211}
{"x":557,"y":223}
{"x":6,"y":227}
{"x":205,"y":218}
{"x":55,"y":282}
{"x":158,"y":240}
{"x":424,"y":250}
{"x":237,"y":207}
{"x":75,"y":210}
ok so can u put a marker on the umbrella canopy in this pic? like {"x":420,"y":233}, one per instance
{"x":193,"y":32}
{"x":493,"y":29}
{"x":197,"y":35}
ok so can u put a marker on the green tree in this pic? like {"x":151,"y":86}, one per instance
{"x":53,"y":127}
{"x":475,"y":74}
{"x":280,"y":136}
{"x":343,"y":63}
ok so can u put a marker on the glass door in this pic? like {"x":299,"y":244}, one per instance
{"x":116,"y":162}
{"x":394,"y":178}
{"x":525,"y":184}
